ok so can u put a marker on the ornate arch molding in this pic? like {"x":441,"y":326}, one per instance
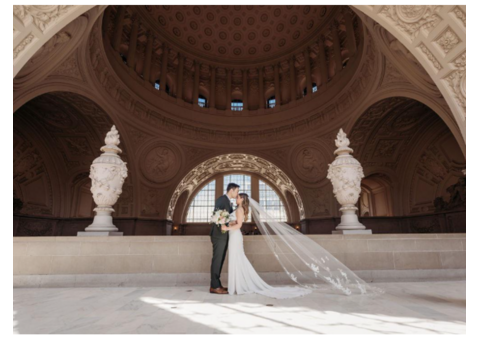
{"x":436,"y":36}
{"x":408,"y":92}
{"x":70,"y":88}
{"x":34,"y":25}
{"x":53,"y":53}
{"x":234,"y":162}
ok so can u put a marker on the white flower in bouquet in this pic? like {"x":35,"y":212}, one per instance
{"x":220,"y":217}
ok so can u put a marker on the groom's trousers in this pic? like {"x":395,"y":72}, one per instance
{"x":220,"y":246}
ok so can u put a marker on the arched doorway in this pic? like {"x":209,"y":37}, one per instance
{"x":57,"y":135}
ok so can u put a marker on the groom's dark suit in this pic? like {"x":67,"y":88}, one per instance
{"x":220,"y":243}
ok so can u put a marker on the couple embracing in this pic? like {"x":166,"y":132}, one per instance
{"x":304,"y":261}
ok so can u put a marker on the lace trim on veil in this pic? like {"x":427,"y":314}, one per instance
{"x":306,"y":262}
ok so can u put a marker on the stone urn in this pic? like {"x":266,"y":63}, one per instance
{"x":346,"y":173}
{"x":108,"y":172}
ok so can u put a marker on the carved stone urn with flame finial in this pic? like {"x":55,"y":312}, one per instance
{"x":108,"y":172}
{"x":346,"y":174}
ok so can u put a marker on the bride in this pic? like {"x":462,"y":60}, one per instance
{"x":305,"y":262}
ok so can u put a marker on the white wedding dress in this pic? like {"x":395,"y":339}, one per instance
{"x":242,"y":277}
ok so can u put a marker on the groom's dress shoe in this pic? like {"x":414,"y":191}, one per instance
{"x":218,"y":290}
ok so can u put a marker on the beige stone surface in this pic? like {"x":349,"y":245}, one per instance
{"x":192,"y":254}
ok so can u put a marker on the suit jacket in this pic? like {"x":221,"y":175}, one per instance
{"x":223,"y":202}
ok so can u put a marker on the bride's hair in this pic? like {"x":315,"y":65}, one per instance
{"x":245,"y":204}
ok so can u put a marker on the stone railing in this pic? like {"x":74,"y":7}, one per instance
{"x":171,"y":261}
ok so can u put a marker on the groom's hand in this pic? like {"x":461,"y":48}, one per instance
{"x":224,"y":227}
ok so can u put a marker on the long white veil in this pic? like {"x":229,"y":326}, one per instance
{"x":306,"y":262}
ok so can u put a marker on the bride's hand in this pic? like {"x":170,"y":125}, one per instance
{"x":224,"y":227}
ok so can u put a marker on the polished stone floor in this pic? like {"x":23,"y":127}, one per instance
{"x":407,"y":307}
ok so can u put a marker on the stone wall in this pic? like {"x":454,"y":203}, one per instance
{"x":170,"y":260}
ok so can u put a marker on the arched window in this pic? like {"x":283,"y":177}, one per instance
{"x":237,"y":105}
{"x":202,"y":101}
{"x":202,"y":205}
{"x":157,"y":86}
{"x":271,"y":102}
{"x":270,"y":201}
{"x":314,"y":89}
{"x":245,"y":182}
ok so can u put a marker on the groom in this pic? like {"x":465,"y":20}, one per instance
{"x":220,"y":240}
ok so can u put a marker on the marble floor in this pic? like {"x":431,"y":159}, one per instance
{"x":407,"y":307}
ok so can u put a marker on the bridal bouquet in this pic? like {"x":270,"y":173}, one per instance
{"x":220,"y":217}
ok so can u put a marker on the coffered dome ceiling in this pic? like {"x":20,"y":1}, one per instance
{"x":270,"y":59}
{"x":239,"y":33}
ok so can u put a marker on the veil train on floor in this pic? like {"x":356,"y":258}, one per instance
{"x":306,"y":262}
